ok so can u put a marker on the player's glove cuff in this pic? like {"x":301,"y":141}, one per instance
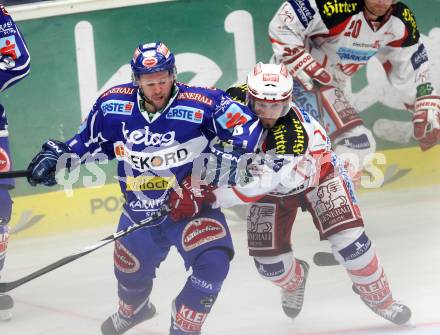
{"x":42,"y":168}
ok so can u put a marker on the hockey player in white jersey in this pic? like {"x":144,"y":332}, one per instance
{"x":311,"y":177}
{"x":323,"y":43}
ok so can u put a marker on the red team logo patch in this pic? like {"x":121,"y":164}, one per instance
{"x":149,"y":62}
{"x":124,"y":259}
{"x":5,"y":162}
{"x":119,"y":151}
{"x":236,"y":119}
{"x":271,"y":77}
{"x":201,"y":231}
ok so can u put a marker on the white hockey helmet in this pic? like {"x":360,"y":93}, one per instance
{"x":269,"y":90}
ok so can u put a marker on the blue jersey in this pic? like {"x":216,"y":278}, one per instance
{"x":156,"y":154}
{"x":14,"y":65}
{"x":14,"y":55}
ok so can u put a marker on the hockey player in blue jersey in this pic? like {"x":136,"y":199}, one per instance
{"x":14,"y":66}
{"x":158,"y":129}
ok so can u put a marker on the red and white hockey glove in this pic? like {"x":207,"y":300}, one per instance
{"x":426,"y":121}
{"x":304,"y":68}
{"x":187,"y":201}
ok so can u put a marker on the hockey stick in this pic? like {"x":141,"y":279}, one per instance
{"x":322,"y":258}
{"x":13,"y":174}
{"x":6,"y":287}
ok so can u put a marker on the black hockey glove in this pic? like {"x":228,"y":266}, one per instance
{"x":43,"y":167}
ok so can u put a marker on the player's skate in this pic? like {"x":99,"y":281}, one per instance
{"x":117,"y":324}
{"x":292,"y":301}
{"x":6,"y":304}
{"x":395,"y":312}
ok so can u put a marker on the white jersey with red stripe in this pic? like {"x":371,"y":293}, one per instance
{"x":289,"y":161}
{"x":339,"y":36}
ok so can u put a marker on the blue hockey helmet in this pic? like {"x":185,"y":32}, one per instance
{"x":152,"y":57}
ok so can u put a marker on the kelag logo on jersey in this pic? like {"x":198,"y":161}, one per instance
{"x":419,"y":57}
{"x":185,"y":113}
{"x":303,"y":10}
{"x":355,"y":55}
{"x":117,"y":107}
{"x":233,"y":117}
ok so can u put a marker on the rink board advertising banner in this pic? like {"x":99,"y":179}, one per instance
{"x":78,"y":56}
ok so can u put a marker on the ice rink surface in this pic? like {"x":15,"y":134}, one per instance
{"x":75,"y":299}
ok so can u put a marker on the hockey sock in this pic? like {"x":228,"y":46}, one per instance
{"x":282,"y":270}
{"x":4,"y":237}
{"x":193,"y":304}
{"x":359,"y":258}
{"x":132,"y":301}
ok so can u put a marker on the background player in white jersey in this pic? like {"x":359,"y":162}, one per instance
{"x":323,"y":43}
{"x":14,"y":66}
{"x":156,"y":128}
{"x":311,"y":177}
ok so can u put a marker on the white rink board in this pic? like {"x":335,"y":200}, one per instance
{"x":75,"y":299}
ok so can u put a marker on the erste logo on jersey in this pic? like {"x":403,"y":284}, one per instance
{"x":120,"y":107}
{"x":233,"y":117}
{"x":185,"y":113}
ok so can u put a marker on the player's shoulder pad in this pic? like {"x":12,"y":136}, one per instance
{"x":288,"y":136}
{"x":403,"y":13}
{"x":119,"y":100}
{"x":238,"y":93}
{"x":120,"y":91}
{"x":204,"y":95}
{"x":334,"y":12}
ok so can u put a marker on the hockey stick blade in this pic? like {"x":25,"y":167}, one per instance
{"x":6,"y":287}
{"x":13,"y":174}
{"x":323,"y":258}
